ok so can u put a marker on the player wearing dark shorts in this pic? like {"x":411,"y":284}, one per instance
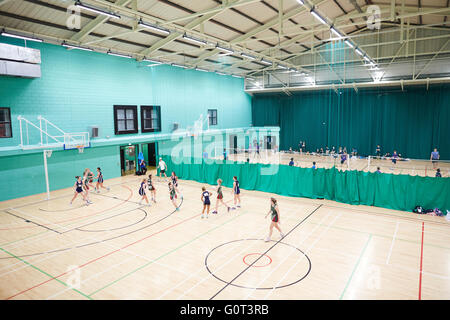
{"x":394,"y":157}
{"x":79,"y":190}
{"x":142,"y":191}
{"x":206,"y":201}
{"x":275,"y":218}
{"x":236,"y":192}
{"x":434,"y":157}
{"x":151,"y":187}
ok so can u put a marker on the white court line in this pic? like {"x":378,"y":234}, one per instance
{"x":202,"y":270}
{"x":392,"y":243}
{"x":308,"y":250}
{"x":223,"y":266}
{"x":46,"y":235}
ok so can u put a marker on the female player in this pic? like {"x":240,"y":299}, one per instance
{"x":142,"y":191}
{"x":87,"y":178}
{"x":394,"y":157}
{"x":79,"y":190}
{"x":99,"y":178}
{"x":173,"y":195}
{"x":236,"y":192}
{"x":275,"y":218}
{"x":175,"y":183}
{"x":343,"y":158}
{"x":434,"y":157}
{"x":206,"y":202}
{"x":220,"y":196}
{"x":151,"y":187}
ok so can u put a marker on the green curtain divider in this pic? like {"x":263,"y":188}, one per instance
{"x":399,"y":192}
{"x":412,"y":121}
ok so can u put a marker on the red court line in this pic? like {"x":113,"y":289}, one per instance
{"x":108,"y":254}
{"x":80,"y":217}
{"x":421,"y":263}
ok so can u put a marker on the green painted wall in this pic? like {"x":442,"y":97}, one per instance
{"x":24,"y":175}
{"x":78,"y":89}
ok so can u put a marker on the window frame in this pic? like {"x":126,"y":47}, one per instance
{"x":7,"y":122}
{"x":212,"y":118}
{"x":158,"y":111}
{"x":135,"y":119}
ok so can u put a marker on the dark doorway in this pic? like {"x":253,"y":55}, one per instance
{"x":233,"y":144}
{"x":151,"y":154}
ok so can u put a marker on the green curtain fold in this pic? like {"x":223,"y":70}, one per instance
{"x":413,"y":121}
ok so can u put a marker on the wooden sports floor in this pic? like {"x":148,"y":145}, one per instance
{"x":118,"y":249}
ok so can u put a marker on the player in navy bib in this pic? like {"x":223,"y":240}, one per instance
{"x":206,"y":202}
{"x":99,"y":178}
{"x":237,"y":192}
{"x":79,"y":190}
{"x":142,"y":191}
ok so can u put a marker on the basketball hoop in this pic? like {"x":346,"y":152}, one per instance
{"x":80,"y":148}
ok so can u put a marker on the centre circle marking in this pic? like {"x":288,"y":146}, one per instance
{"x":252,"y":254}
{"x":258,"y":288}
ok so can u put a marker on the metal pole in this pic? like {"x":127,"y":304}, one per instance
{"x":46,"y":174}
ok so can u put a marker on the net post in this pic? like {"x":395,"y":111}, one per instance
{"x":46,"y":174}
{"x":368,"y":163}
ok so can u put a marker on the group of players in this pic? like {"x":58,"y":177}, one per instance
{"x":85,"y":182}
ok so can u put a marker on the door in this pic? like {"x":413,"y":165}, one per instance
{"x":151,"y":154}
{"x":128,"y":159}
{"x":233,"y":144}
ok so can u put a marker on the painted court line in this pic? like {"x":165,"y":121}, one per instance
{"x":165,"y":254}
{"x":208,"y":276}
{"x":392,"y":244}
{"x":356,"y":267}
{"x":256,"y":260}
{"x":101,"y":257}
{"x":421,"y":262}
{"x":292,"y":250}
{"x":307,"y":251}
{"x":43,"y":272}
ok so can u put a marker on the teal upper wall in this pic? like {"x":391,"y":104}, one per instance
{"x":78,"y":89}
{"x":412,"y":121}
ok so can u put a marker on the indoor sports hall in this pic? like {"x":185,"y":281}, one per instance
{"x":224,"y":150}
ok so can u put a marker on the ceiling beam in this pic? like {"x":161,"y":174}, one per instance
{"x":2,"y":2}
{"x":94,"y":24}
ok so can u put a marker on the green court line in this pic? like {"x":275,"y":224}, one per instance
{"x":41,"y":271}
{"x":356,"y":267}
{"x":165,"y":254}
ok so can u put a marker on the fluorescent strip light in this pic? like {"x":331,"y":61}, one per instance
{"x":75,"y":47}
{"x":88,"y":8}
{"x":202,"y":70}
{"x":224,"y":49}
{"x":7,"y":34}
{"x":282,"y":67}
{"x":301,"y":2}
{"x":367,"y":59}
{"x":197,"y":41}
{"x":318,"y":17}
{"x":179,"y":66}
{"x":248,"y":56}
{"x":266,"y":62}
{"x":152,"y":61}
{"x":153,"y":27}
{"x":349,"y":43}
{"x":222,"y":74}
{"x":336,"y":32}
{"x":359,"y":52}
{"x":233,"y":75}
{"x":118,"y":55}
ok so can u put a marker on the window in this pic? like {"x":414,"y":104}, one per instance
{"x":212,"y":115}
{"x":5,"y":123}
{"x":150,"y":118}
{"x":125,"y":119}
